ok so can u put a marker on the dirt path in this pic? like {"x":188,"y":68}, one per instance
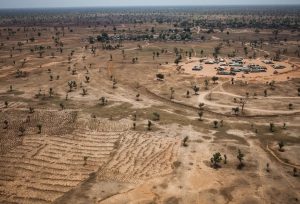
{"x":203,"y":99}
{"x":279,"y":160}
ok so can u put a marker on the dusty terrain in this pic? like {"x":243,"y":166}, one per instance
{"x":88,"y":150}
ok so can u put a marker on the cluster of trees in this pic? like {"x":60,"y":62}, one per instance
{"x":217,"y":158}
{"x":186,"y":17}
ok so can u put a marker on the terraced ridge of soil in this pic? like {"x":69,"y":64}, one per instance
{"x":53,"y":123}
{"x":140,"y":156}
{"x":45,"y":167}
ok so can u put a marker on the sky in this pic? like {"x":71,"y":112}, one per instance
{"x":106,"y":3}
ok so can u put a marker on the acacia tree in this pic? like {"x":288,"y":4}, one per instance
{"x":84,"y":91}
{"x":134,"y":126}
{"x":85,"y":160}
{"x":51,"y":92}
{"x":201,"y":106}
{"x":215,"y":122}
{"x":265,"y":93}
{"x":114,"y":83}
{"x":225,"y":159}
{"x":214,"y":79}
{"x":196,"y":89}
{"x":206,"y":84}
{"x":281,"y":145}
{"x":216,"y":159}
{"x":268,"y":167}
{"x":5,"y":124}
{"x":39,"y":126}
{"x":149,"y":125}
{"x":295,"y":171}
{"x":21,"y":130}
{"x":31,"y":109}
{"x":137,"y":97}
{"x":184,"y":142}
{"x":187,"y":93}
{"x":200,"y":114}
{"x":172,"y":93}
{"x":87,"y":79}
{"x":72,"y":84}
{"x":240,"y":157}
{"x":103,"y":100}
{"x":272,"y":127}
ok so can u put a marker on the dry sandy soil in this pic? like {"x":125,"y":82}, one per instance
{"x":87,"y":152}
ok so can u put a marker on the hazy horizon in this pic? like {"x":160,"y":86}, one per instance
{"x":135,"y":3}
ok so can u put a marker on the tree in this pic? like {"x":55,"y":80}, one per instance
{"x":149,"y":125}
{"x":240,"y":157}
{"x":85,"y":160}
{"x":31,"y":109}
{"x":72,"y":84}
{"x":272,"y":85}
{"x":177,"y":60}
{"x":84,"y":91}
{"x":206,"y":84}
{"x":284,"y":126}
{"x":290,"y":106}
{"x":243,"y":102}
{"x":225,"y":159}
{"x":216,"y":159}
{"x":134,"y":117}
{"x":246,"y":50}
{"x":21,"y":130}
{"x":6,"y":104}
{"x":51,"y":92}
{"x":200,"y":114}
{"x":87,"y":79}
{"x":214,"y":79}
{"x":187,"y":93}
{"x":265,"y":92}
{"x":39,"y":126}
{"x":272,"y":127}
{"x":294,"y":171}
{"x":196,"y":89}
{"x":281,"y":145}
{"x":160,"y":77}
{"x":215,"y":122}
{"x":184,"y":142}
{"x":137,"y":97}
{"x":172,"y":93}
{"x":114,"y":83}
{"x":201,"y":106}
{"x":62,"y":106}
{"x":103,"y":100}
{"x":268,"y":167}
{"x":5,"y":124}
{"x":134,"y":126}
{"x":221,"y":123}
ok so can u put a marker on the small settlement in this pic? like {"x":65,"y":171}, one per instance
{"x":235,"y":65}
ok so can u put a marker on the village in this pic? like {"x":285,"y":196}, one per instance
{"x":237,"y":66}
